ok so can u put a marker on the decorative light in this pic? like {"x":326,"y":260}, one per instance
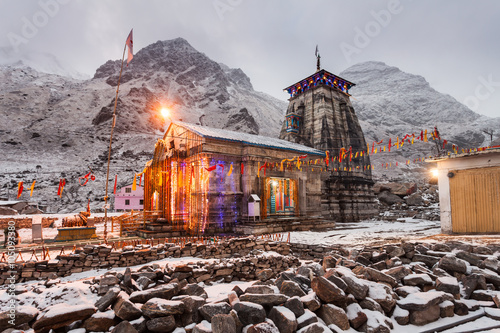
{"x":434,"y":173}
{"x":165,"y":112}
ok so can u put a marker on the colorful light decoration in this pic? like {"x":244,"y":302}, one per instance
{"x":322,"y":77}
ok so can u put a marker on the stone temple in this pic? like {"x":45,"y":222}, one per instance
{"x":204,"y":180}
{"x":320,"y":115}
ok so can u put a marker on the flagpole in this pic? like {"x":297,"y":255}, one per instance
{"x":109,"y":151}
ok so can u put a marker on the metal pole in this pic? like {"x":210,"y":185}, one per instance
{"x":109,"y":152}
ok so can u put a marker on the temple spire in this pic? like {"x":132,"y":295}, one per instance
{"x":318,"y":57}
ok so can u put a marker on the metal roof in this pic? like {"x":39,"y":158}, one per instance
{"x":249,"y":139}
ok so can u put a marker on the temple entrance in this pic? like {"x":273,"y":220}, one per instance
{"x":280,"y":196}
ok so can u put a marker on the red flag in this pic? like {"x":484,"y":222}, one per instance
{"x":242,"y":168}
{"x":212,"y":168}
{"x":140,"y":180}
{"x":116,"y":180}
{"x":130,"y":46}
{"x":20,"y":189}
{"x":62,"y":182}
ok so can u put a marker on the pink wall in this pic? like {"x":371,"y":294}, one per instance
{"x":134,"y":198}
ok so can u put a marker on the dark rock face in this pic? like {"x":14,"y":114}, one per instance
{"x":242,"y":121}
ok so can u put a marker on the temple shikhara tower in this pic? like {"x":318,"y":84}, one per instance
{"x":320,"y":115}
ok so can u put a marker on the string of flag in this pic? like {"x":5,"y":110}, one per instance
{"x":319,"y":164}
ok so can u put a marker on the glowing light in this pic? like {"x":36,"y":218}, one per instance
{"x":165,"y":112}
{"x":434,"y":173}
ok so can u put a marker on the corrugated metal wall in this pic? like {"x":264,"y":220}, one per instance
{"x":475,"y":200}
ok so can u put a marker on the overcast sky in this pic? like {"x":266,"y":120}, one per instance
{"x":454,"y":44}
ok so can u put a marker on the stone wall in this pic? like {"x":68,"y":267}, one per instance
{"x":25,"y":222}
{"x":104,"y":257}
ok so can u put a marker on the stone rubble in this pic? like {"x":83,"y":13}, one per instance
{"x":369,"y":290}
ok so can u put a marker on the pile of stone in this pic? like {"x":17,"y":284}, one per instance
{"x":104,"y":256}
{"x":407,"y":200}
{"x":368,"y":290}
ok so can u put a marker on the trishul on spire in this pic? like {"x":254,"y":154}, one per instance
{"x":318,"y":57}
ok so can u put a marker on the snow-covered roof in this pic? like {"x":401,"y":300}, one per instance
{"x":489,"y":150}
{"x":249,"y":139}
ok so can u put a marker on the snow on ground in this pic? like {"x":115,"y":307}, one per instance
{"x":368,"y":232}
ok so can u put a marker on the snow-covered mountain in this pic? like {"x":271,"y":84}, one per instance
{"x":391,"y":103}
{"x":40,"y":61}
{"x":55,"y":127}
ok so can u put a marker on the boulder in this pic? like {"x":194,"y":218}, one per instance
{"x":223,"y":323}
{"x":417,"y":280}
{"x":448,"y":284}
{"x":127,"y":278}
{"x":471,"y":258}
{"x":370,"y":304}
{"x":109,"y":298}
{"x":125,"y":309}
{"x":332,"y":314}
{"x":311,"y":301}
{"x":356,"y":315}
{"x":24,"y":314}
{"x":258,"y":289}
{"x":157,"y":307}
{"x":328,"y":292}
{"x":450,"y":263}
{"x":211,"y":309}
{"x":193,"y":289}
{"x":331,"y":276}
{"x":264,"y":274}
{"x":421,"y":300}
{"x":414,"y":199}
{"x":389,"y":198}
{"x":295,"y":305}
{"x":383,"y":295}
{"x":250,"y":313}
{"x":61,"y":315}
{"x":203,"y":327}
{"x":401,"y":316}
{"x":355,"y":286}
{"x":166,"y":291}
{"x":398,"y":272}
{"x":266,"y":327}
{"x":124,"y":327}
{"x":377,"y":323}
{"x":284,"y":319}
{"x":425,"y":316}
{"x":100,"y":321}
{"x":306,"y":319}
{"x":161,"y":324}
{"x":446,"y":309}
{"x":291,"y":288}
{"x":378,"y":276}
{"x":264,"y":299}
{"x":315,"y":328}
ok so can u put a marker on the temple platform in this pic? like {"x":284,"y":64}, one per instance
{"x":246,"y":227}
{"x":283,"y":224}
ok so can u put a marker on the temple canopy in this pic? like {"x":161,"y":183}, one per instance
{"x":318,"y":78}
